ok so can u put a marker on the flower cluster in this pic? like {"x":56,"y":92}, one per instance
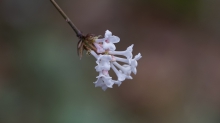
{"x":106,"y":58}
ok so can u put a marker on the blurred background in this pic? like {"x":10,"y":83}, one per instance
{"x":42,"y":80}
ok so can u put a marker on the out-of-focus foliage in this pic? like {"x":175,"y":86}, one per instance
{"x":43,"y":80}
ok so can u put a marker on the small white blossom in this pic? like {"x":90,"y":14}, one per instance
{"x":125,"y":69}
{"x":127,"y":53}
{"x":104,"y":82}
{"x":120,"y":75}
{"x":107,"y":42}
{"x":132,"y":62}
{"x":103,"y":62}
{"x":109,"y":60}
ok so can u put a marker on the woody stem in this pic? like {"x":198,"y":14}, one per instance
{"x":76,"y":30}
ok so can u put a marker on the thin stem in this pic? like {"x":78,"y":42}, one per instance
{"x":76,"y":30}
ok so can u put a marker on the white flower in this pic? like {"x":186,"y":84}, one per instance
{"x":109,"y":60}
{"x":127,"y":53}
{"x":103,"y":62}
{"x":104,"y":82}
{"x":133,"y":62}
{"x":107,"y":42}
{"x":125,"y":69}
{"x":120,"y":75}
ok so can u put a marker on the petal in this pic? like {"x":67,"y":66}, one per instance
{"x":106,"y":66}
{"x":113,"y":39}
{"x":103,"y":67}
{"x":108,"y":81}
{"x":105,"y":72}
{"x":99,"y":48}
{"x":108,"y":33}
{"x":109,"y":46}
{"x":130,"y":48}
{"x":99,"y":82}
{"x":134,"y":70}
{"x":134,"y":63}
{"x":129,"y":77}
{"x":104,"y":87}
{"x":103,"y":82}
{"x":117,"y":82}
{"x":126,"y":69}
{"x":128,"y":53}
{"x":103,"y":62}
{"x":120,"y":75}
{"x":107,"y":57}
{"x":98,"y":59}
{"x":138,"y":56}
{"x":98,"y":68}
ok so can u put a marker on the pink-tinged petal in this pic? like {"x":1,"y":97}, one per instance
{"x":113,"y":39}
{"x":105,"y":72}
{"x":113,"y":58}
{"x":99,"y":48}
{"x":108,"y":33}
{"x":100,"y":40}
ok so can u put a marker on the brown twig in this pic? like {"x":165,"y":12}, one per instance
{"x":76,"y":30}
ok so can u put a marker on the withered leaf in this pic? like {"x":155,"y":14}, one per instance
{"x":80,"y":48}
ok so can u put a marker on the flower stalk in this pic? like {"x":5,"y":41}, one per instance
{"x":85,"y":42}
